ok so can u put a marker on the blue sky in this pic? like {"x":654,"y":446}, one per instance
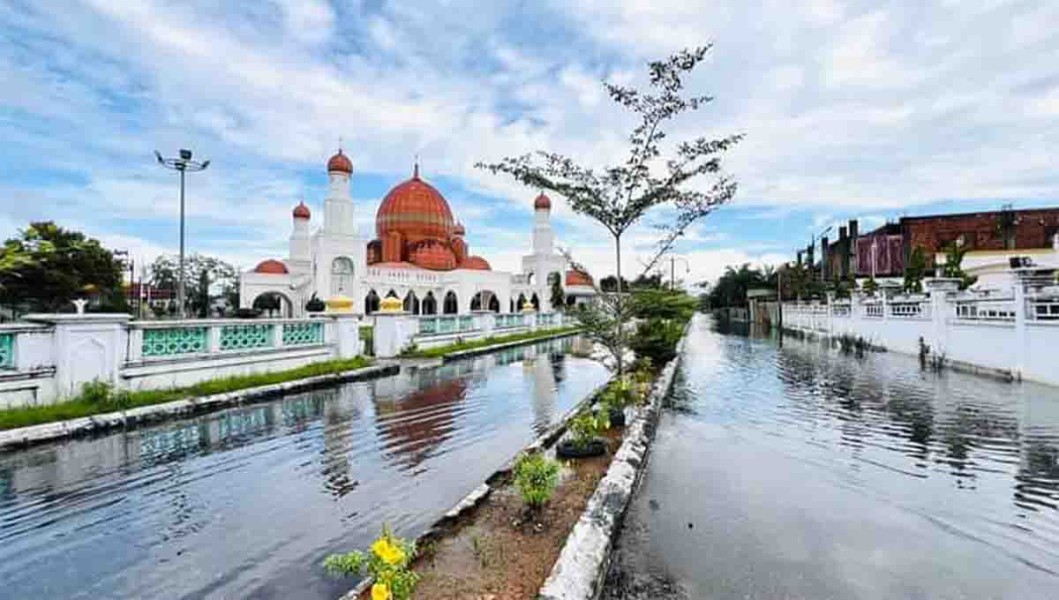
{"x":866,"y":110}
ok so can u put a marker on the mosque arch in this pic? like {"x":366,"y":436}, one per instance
{"x":411,"y":303}
{"x":535,"y":301}
{"x":371,"y":302}
{"x":274,"y":304}
{"x":485,"y":300}
{"x":429,"y":304}
{"x":451,"y":305}
{"x":341,"y":276}
{"x":519,"y":303}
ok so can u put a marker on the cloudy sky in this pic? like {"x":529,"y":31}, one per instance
{"x":867,"y":110}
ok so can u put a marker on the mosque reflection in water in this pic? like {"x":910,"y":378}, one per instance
{"x":412,"y":415}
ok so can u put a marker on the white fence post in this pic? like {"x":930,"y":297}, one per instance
{"x":214,"y":339}
{"x":1020,"y":328}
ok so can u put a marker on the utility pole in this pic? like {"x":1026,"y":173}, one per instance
{"x":183,"y":164}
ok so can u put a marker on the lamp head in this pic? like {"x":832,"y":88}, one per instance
{"x":185,"y":154}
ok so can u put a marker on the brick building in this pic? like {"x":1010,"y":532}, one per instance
{"x":989,"y":237}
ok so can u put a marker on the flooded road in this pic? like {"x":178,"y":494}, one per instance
{"x":248,"y":501}
{"x":802,"y":472}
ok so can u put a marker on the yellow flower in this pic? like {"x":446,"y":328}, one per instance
{"x":380,"y":591}
{"x":389,"y":552}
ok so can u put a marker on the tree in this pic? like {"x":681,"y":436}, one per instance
{"x":618,"y":196}
{"x":952,"y":268}
{"x":732,"y":287}
{"x":871,"y":287}
{"x":205,"y":278}
{"x":46,"y":266}
{"x":610,"y":284}
{"x":914,"y":271}
{"x":558,"y":296}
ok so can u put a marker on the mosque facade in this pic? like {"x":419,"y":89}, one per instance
{"x":419,"y":253}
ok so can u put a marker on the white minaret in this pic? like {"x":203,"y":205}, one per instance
{"x":338,"y":207}
{"x":543,"y":239}
{"x":300,"y":250}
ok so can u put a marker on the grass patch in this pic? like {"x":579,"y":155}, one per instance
{"x":489,"y":341}
{"x":98,"y":397}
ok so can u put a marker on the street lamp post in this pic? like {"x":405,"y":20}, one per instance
{"x":183,"y":164}
{"x":672,"y":270}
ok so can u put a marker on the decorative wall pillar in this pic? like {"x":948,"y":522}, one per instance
{"x":393,"y":333}
{"x":344,"y":334}
{"x":85,"y":348}
{"x":485,"y":321}
{"x":941,"y":292}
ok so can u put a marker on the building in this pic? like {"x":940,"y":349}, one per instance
{"x":991,"y":240}
{"x":419,"y":253}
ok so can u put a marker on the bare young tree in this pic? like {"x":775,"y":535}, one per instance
{"x":619,"y":196}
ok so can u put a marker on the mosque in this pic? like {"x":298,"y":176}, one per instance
{"x":419,"y":254}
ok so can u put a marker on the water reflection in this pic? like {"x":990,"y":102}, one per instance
{"x":800,"y":471}
{"x":246,"y":501}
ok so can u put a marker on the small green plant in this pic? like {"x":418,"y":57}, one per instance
{"x":103,"y":395}
{"x":388,"y":562}
{"x":587,"y":425}
{"x":536,"y":477}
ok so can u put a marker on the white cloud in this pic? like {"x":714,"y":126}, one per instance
{"x":849,"y":108}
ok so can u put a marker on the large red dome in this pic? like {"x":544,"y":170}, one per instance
{"x":415,"y":210}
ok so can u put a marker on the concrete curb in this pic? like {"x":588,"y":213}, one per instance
{"x":46,"y":432}
{"x":582,"y":565}
{"x":492,"y":482}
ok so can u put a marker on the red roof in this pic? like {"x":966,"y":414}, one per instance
{"x":302,"y":212}
{"x":341,"y":163}
{"x":271,"y":267}
{"x":576,"y":277}
{"x":542,"y":202}
{"x":476,"y":263}
{"x":434,"y":256}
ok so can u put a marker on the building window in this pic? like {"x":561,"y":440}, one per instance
{"x":341,"y":276}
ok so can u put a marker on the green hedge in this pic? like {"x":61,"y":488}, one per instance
{"x":484,"y":342}
{"x":96,"y":398}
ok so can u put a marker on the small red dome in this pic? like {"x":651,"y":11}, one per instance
{"x":577,"y":277}
{"x":302,"y":212}
{"x":341,"y":163}
{"x":476,"y":263}
{"x":433,"y":256}
{"x":271,"y":267}
{"x":459,"y":230}
{"x":542,"y":202}
{"x":417,"y":211}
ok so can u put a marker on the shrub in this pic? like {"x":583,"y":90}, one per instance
{"x":103,"y":395}
{"x":657,"y":339}
{"x":536,"y":478}
{"x":387,"y":562}
{"x":586,"y":426}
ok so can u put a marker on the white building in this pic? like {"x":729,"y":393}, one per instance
{"x":418,"y":254}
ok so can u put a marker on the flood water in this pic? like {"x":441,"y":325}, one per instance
{"x":802,"y":472}
{"x":248,"y":501}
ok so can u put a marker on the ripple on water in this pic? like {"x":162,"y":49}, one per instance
{"x":247,"y":501}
